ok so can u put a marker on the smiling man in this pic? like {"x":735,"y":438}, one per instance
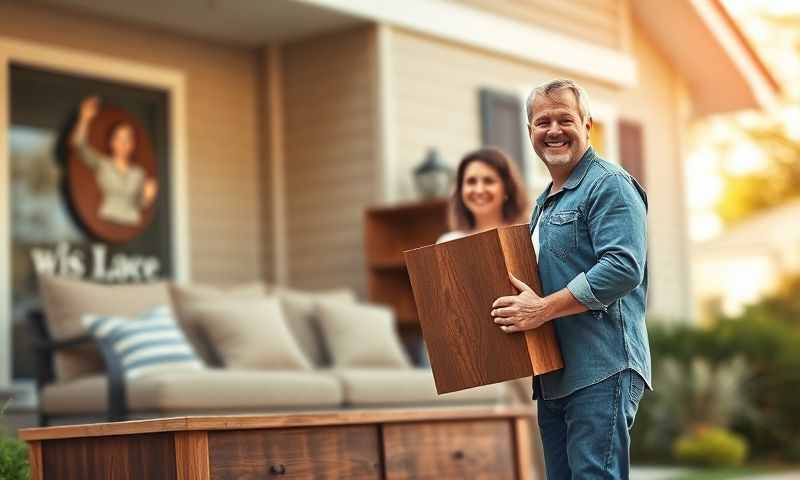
{"x":589,"y":232}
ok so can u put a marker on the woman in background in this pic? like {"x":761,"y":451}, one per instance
{"x":488,"y":193}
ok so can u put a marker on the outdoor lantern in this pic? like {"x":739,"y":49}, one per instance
{"x":432,"y":177}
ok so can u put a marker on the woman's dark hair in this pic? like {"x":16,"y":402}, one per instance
{"x":516,"y":202}
{"x":113,"y":129}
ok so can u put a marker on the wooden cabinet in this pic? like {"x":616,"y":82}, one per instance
{"x":442,"y":443}
{"x":388,"y":232}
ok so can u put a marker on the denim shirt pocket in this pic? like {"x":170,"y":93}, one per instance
{"x":561,"y":237}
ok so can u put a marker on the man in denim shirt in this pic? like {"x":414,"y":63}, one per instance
{"x":589,"y":230}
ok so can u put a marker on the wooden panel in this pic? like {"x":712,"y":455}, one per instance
{"x":131,"y":457}
{"x":455,"y":284}
{"x":522,"y":445}
{"x":351,"y":452}
{"x":543,"y":348}
{"x":191,"y":455}
{"x":474,"y":450}
{"x":35,"y":460}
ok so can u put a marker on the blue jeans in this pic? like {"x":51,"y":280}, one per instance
{"x":586,"y":435}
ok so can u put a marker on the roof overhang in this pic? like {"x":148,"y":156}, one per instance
{"x":722,"y":70}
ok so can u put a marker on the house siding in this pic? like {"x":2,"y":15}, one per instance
{"x":601,"y":22}
{"x":330,"y":138}
{"x":222,"y":126}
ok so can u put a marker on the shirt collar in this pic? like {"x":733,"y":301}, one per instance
{"x":575,"y":177}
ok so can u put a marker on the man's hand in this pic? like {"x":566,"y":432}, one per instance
{"x":521,"y":312}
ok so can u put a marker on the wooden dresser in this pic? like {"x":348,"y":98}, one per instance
{"x":441,"y":443}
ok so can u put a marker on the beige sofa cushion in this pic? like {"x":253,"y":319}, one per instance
{"x":300,"y":308}
{"x":184,"y":297}
{"x":212,"y":390}
{"x":360,"y":335}
{"x":250,"y":333}
{"x":397,"y":387}
{"x":66,"y":301}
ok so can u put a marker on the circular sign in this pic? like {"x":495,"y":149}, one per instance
{"x":112,"y":177}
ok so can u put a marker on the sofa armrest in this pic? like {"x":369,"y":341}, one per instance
{"x":45,"y":347}
{"x":117,"y":391}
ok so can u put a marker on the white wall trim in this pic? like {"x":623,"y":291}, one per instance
{"x":385,"y":105}
{"x":110,"y":68}
{"x":277,"y":157}
{"x":714,"y":21}
{"x":486,"y":31}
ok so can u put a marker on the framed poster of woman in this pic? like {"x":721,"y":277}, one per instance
{"x":113,"y":178}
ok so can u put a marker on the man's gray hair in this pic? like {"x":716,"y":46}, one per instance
{"x":549,"y":88}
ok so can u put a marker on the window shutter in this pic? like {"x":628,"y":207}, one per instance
{"x":502,"y":124}
{"x":631,"y":149}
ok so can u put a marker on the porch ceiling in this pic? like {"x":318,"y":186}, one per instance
{"x":240,"y":22}
{"x":723,"y":72}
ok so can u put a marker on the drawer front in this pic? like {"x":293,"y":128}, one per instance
{"x":116,"y":457}
{"x":460,"y":449}
{"x":323,"y":452}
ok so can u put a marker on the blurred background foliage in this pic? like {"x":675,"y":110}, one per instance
{"x":739,"y":375}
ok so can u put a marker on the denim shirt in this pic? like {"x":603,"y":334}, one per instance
{"x":593,"y":241}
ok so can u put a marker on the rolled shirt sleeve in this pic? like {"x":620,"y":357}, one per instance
{"x":616,"y":215}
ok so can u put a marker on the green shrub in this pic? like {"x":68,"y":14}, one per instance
{"x":13,"y":459}
{"x":768,"y":343}
{"x":711,"y":447}
{"x":13,"y":454}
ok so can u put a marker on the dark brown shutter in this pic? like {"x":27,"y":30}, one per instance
{"x":631,"y":149}
{"x":501,"y":124}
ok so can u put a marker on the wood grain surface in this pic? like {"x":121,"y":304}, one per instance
{"x":191,"y":455}
{"x":351,"y":452}
{"x":35,"y":460}
{"x":272,"y":420}
{"x":474,"y":450}
{"x":543,"y":349}
{"x":130,"y":457}
{"x":455,"y":284}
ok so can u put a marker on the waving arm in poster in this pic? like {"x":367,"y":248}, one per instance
{"x":124,"y":185}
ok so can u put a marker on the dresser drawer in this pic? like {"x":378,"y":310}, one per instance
{"x":450,"y":449}
{"x":321,"y":452}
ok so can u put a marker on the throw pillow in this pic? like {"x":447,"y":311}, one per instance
{"x":65,"y":301}
{"x":300,"y":308}
{"x":250,"y":333}
{"x":184,"y":297}
{"x":149,"y":343}
{"x":360,"y":335}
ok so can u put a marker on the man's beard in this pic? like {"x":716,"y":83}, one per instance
{"x":559,"y":159}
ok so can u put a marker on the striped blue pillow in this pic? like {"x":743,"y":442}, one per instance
{"x":149,"y":343}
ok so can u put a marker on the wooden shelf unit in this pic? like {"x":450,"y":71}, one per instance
{"x":389,"y":230}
